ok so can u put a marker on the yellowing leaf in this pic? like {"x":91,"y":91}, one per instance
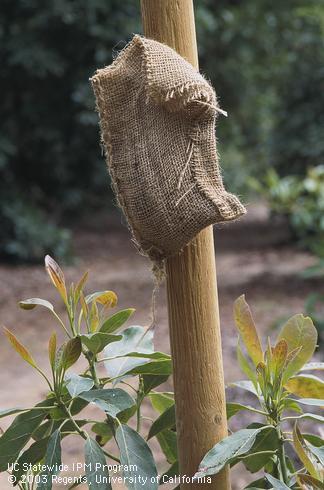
{"x":22,"y":351}
{"x":279,"y":356}
{"x":71,"y":352}
{"x":306,"y":386}
{"x":106,"y":298}
{"x":94,"y":318}
{"x":245,"y":325}
{"x":84,"y":306}
{"x":292,"y":354}
{"x":79,"y":287}
{"x":52,"y":349}
{"x":57,"y":277}
{"x":299,"y":332}
{"x":303,"y":452}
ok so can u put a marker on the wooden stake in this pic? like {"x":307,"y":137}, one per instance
{"x":192,"y":294}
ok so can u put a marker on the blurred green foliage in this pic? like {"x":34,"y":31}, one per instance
{"x":301,"y":199}
{"x":266,"y":61}
{"x":264,"y":58}
{"x":50,"y":158}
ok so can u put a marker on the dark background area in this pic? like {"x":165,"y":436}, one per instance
{"x":265,"y":59}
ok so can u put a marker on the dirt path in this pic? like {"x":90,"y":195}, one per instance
{"x":250,"y":260}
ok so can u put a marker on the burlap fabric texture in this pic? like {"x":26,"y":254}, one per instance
{"x":157,"y":117}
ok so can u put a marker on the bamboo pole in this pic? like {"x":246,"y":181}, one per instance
{"x":192,"y":294}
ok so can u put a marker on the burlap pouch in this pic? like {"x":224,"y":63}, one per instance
{"x":157,"y":116}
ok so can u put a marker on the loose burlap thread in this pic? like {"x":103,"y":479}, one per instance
{"x":157,"y":118}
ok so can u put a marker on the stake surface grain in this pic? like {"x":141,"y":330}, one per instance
{"x":192,"y":295}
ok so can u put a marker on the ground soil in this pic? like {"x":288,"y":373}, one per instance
{"x":253,"y":257}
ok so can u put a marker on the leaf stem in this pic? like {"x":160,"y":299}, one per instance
{"x":61,"y":323}
{"x":129,"y":385}
{"x":138,"y":418}
{"x":67,"y":412}
{"x":44,"y":376}
{"x":92,"y":367}
{"x":282,"y":457}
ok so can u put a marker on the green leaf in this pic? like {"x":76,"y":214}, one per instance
{"x":313,"y":439}
{"x":298,"y":332}
{"x":136,"y":455}
{"x":306,"y":386}
{"x":19,"y":348}
{"x":30,"y":304}
{"x":303,"y":452}
{"x":266,"y":440}
{"x":311,"y":482}
{"x":125,"y":415}
{"x":161,"y":368}
{"x":135,"y":339}
{"x":77,"y":384}
{"x":261,"y":483}
{"x":318,"y":452}
{"x":151,"y":381}
{"x":161,"y":401}
{"x":52,"y":461}
{"x":70,"y":353}
{"x":77,"y":404}
{"x":112,"y":401}
{"x":233,"y":408}
{"x":50,"y":426}
{"x":34,"y":454}
{"x":115,"y":321}
{"x":246,"y":326}
{"x":96,"y":342}
{"x":228,"y":450}
{"x":290,"y":404}
{"x":160,"y":356}
{"x":96,"y":466}
{"x":103,"y":431}
{"x":311,"y":401}
{"x":170,"y":474}
{"x":10,"y":411}
{"x":277,"y":484}
{"x":19,"y":433}
{"x":168,"y":442}
{"x":165,"y":421}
